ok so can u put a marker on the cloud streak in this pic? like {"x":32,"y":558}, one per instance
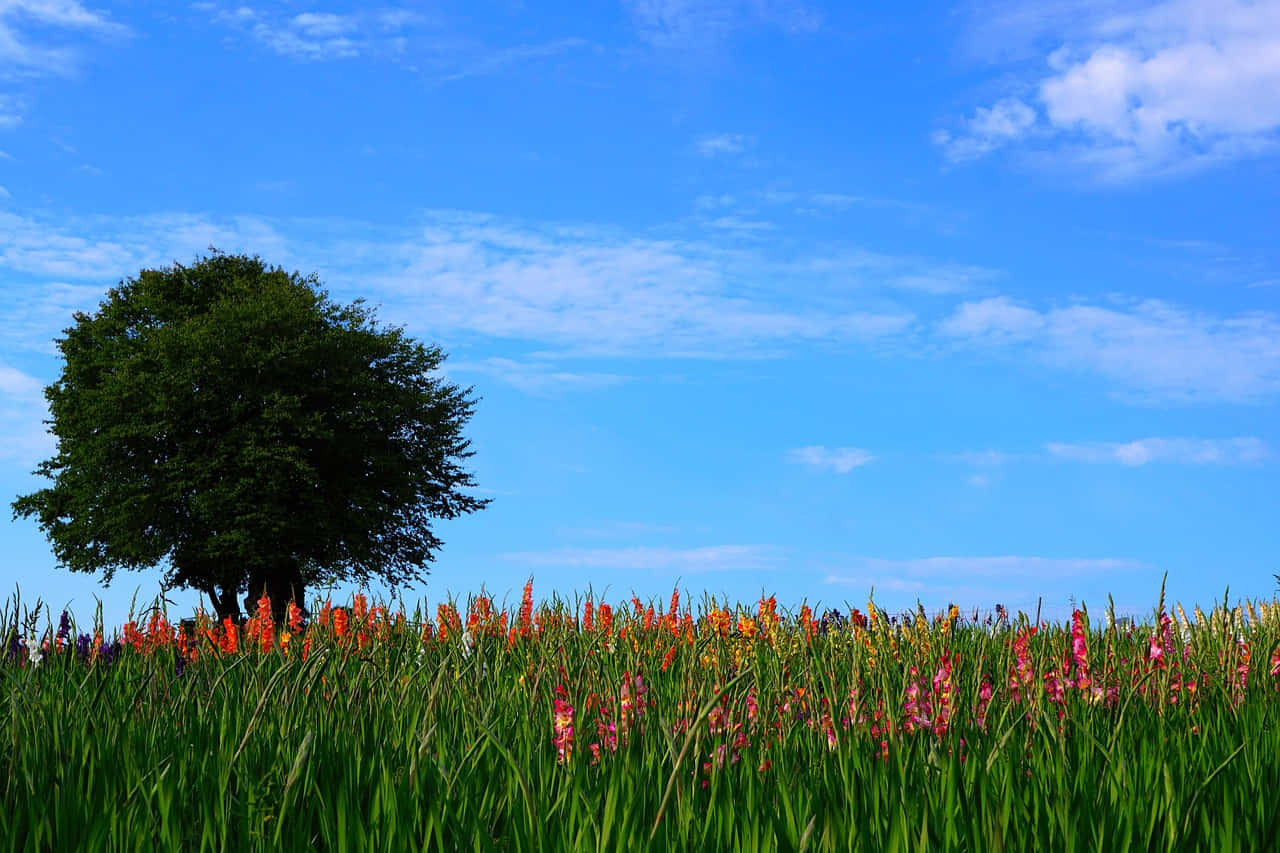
{"x":23,"y":23}
{"x":1181,"y":451}
{"x":578,"y":291}
{"x":842,"y":460}
{"x":711,"y":558}
{"x":704,"y":24}
{"x":1155,"y":350}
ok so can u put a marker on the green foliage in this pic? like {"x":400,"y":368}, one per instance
{"x":402,"y":744}
{"x":228,"y":418}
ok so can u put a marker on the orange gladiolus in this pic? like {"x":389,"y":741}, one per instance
{"x":526,"y":609}
{"x":295,"y":617}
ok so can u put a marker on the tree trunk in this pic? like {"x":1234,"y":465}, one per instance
{"x":283,"y":584}
{"x":224,"y":602}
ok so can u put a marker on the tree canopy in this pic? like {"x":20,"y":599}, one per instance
{"x":230,"y":420}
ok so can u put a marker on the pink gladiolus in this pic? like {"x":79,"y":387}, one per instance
{"x":984,"y":700}
{"x":1080,"y":651}
{"x":562,"y":726}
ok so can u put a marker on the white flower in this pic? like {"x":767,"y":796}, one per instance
{"x":33,"y":651}
{"x":468,"y":643}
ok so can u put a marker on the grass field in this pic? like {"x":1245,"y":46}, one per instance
{"x":585,"y":726}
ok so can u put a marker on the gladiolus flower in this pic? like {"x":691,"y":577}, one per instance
{"x":295,"y":617}
{"x":562,"y":726}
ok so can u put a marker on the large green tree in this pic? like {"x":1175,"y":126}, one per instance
{"x":230,"y":421}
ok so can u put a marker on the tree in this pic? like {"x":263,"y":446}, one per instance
{"x":231,"y":420}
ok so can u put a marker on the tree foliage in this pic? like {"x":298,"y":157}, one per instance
{"x":231,"y":421}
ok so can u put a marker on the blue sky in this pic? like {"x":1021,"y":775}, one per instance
{"x":973,"y":302}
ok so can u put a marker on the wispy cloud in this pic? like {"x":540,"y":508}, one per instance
{"x":703,"y":24}
{"x":600,"y":293}
{"x":617,"y":529}
{"x":1012,"y":567}
{"x":589,"y":291}
{"x":984,"y":458}
{"x":842,"y":460}
{"x":317,"y":36}
{"x":1184,"y":451}
{"x":22,"y":412}
{"x":716,"y":144}
{"x":484,"y":62}
{"x":989,"y":128}
{"x":1027,"y":583}
{"x":11,"y":111}
{"x":712,"y":558}
{"x":1153,"y":349}
{"x":1138,"y":90}
{"x":537,"y":377}
{"x":26,"y":25}
{"x":416,"y":40}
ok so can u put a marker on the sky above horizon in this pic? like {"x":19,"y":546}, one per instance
{"x":970,"y":301}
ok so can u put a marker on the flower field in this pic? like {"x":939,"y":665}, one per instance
{"x":590,"y":725}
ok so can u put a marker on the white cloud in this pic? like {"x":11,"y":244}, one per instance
{"x":322,"y":24}
{"x":320,"y":36}
{"x":842,"y":460}
{"x":712,"y":558}
{"x":327,"y":36}
{"x":716,"y":144}
{"x":1130,"y":92}
{"x":990,"y":128}
{"x":15,"y":383}
{"x":24,"y":25}
{"x":992,"y":320}
{"x":1185,"y":451}
{"x":591,"y":291}
{"x":599,"y":293}
{"x":588,"y":291}
{"x":1153,"y":349}
{"x":734,"y":223}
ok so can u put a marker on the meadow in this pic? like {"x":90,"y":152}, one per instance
{"x":589,"y":725}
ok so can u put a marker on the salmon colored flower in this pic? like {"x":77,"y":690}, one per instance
{"x":526,"y":609}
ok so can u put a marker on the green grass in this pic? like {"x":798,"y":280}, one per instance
{"x":406,"y":744}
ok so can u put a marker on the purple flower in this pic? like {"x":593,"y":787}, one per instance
{"x":108,"y":653}
{"x":180,"y":665}
{"x":15,"y":647}
{"x":82,"y":646}
{"x":64,"y":625}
